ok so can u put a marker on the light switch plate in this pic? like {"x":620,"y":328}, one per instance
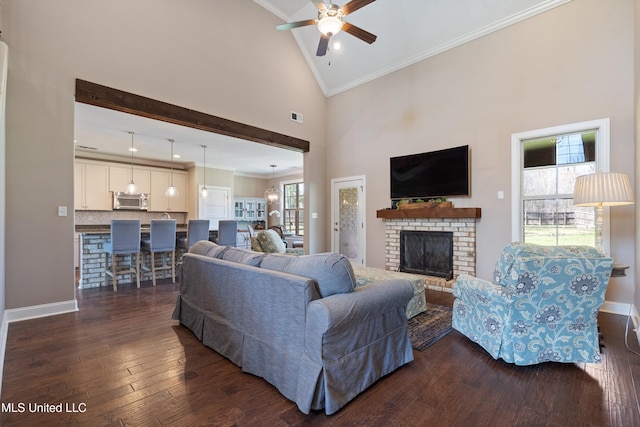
{"x":62,"y":211}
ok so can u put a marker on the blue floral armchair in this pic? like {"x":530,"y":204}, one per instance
{"x":542,"y":304}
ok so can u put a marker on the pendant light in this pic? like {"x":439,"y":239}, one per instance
{"x":204,"y":193}
{"x":171,"y":190}
{"x":272,"y":194}
{"x":132,"y":188}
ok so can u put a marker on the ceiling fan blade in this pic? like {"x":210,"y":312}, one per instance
{"x":319,"y":4}
{"x":323,"y":45}
{"x":354,"y":5}
{"x":297,"y":24}
{"x":359,"y":33}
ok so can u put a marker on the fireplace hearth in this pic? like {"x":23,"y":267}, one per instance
{"x":427,"y":252}
{"x":461,"y":222}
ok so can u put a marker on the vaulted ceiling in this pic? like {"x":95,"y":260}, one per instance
{"x":407,"y":31}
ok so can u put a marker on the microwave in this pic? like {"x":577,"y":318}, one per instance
{"x":135,"y":202}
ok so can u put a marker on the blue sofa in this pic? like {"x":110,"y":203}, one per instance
{"x":542,"y":305}
{"x":297,"y":322}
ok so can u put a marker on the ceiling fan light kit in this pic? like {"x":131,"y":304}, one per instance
{"x":330,"y":22}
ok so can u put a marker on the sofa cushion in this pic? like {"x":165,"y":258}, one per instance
{"x":277,"y":241}
{"x":207,"y":248}
{"x":266,"y":245}
{"x":243,"y":256}
{"x":332,"y":272}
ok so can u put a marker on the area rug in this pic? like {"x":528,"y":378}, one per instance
{"x":428,"y":327}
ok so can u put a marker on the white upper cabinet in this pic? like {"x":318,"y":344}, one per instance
{"x":120,"y":177}
{"x":160,"y":180}
{"x":91,"y":186}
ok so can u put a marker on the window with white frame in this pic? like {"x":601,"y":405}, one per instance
{"x":545,"y":164}
{"x":294,"y":207}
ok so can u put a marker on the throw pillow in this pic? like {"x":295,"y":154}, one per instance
{"x":243,"y":256}
{"x":277,"y":241}
{"x":332,"y":272}
{"x":264,"y":240}
{"x":255,"y":244}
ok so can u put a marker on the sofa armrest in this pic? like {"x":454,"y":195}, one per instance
{"x":472,"y":289}
{"x":342,"y":323}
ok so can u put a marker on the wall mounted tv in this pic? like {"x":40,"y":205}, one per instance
{"x":430,"y":175}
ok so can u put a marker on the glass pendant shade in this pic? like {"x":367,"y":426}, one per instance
{"x":203,"y":192}
{"x":171,"y":191}
{"x":132,"y":188}
{"x":272,"y":194}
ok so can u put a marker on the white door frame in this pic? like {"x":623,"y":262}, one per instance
{"x":358,"y":181}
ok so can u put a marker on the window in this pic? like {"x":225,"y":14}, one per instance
{"x":547,"y":163}
{"x":294,"y":208}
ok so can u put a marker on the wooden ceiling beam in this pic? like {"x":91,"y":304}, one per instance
{"x":114,"y":99}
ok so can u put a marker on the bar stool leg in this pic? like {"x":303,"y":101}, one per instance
{"x":173,"y":267}
{"x":153,"y":268}
{"x":137,"y":270}
{"x":114,"y":272}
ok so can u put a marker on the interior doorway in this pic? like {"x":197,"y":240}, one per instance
{"x":348,"y":218}
{"x":216,"y":206}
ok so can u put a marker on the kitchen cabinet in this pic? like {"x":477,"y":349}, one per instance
{"x":120,"y":177}
{"x":249,"y":208}
{"x":159,"y":181}
{"x":91,"y":186}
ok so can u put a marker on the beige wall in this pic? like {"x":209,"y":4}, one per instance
{"x":185,"y":53}
{"x":570,"y":64}
{"x":636,"y":94}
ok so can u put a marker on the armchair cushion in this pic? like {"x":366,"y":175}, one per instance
{"x":542,"y":306}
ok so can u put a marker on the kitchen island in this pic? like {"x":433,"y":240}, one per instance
{"x":91,"y":254}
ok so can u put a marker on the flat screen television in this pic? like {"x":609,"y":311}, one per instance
{"x":434,"y":174}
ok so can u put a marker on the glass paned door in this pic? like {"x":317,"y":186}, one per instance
{"x":348,"y":237}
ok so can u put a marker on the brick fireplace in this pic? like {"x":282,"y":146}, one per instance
{"x":459,"y":221}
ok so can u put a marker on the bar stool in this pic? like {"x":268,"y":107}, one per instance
{"x":228,"y":233}
{"x":125,"y":240}
{"x":197,"y":229}
{"x":162,"y":239}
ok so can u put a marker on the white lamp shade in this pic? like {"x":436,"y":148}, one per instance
{"x":603,"y":189}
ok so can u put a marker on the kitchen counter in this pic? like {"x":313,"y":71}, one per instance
{"x":92,"y":262}
{"x":105,"y":229}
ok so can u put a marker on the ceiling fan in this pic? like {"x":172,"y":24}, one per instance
{"x":330,"y":22}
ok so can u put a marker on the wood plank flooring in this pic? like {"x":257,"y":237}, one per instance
{"x":122,"y":361}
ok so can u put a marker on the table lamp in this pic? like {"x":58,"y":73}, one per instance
{"x":602,"y":189}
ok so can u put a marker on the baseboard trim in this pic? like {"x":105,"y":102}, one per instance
{"x":4,"y":328}
{"x":616,"y":308}
{"x":42,"y":310}
{"x":635,"y":317}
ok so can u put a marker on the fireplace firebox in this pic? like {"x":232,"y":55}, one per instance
{"x":427,"y":252}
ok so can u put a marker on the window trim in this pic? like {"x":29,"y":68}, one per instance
{"x":602,"y":129}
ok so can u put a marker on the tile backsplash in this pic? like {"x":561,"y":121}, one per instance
{"x":105,"y":217}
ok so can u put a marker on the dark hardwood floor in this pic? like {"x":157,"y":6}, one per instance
{"x":121,"y":360}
